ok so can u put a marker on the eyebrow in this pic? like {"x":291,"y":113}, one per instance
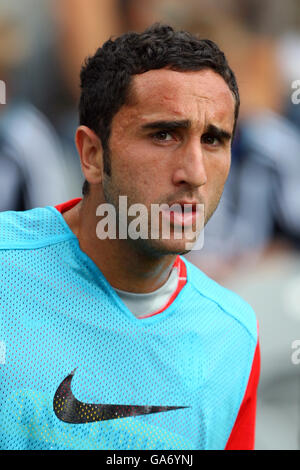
{"x":218,"y":132}
{"x":168,"y":125}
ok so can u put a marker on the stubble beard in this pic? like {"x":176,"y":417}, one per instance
{"x":152,"y":248}
{"x":149,"y":247}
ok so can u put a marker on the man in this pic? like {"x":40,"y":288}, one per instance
{"x":116,"y":342}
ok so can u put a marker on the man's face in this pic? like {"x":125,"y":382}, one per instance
{"x":172,"y":144}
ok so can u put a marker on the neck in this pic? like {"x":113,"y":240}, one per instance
{"x":124,"y":265}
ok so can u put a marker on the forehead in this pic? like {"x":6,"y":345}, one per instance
{"x":167,"y":94}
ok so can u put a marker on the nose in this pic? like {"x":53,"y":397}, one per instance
{"x":190,"y":165}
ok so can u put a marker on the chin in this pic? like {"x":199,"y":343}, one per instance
{"x":158,"y":248}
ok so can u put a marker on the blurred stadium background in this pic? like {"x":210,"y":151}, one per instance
{"x":252,"y":242}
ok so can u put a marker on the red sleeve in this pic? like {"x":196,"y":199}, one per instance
{"x":243,"y":432}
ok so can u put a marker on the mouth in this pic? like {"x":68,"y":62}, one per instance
{"x":182,"y":213}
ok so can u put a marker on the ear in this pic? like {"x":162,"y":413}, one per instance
{"x":90,"y":151}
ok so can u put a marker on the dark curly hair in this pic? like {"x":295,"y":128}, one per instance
{"x":105,"y":77}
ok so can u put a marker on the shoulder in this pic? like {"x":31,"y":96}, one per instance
{"x":222,"y":298}
{"x":31,"y":229}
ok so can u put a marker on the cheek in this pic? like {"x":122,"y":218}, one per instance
{"x":138,"y":160}
{"x":217,"y":177}
{"x":219,"y":168}
{"x":134,"y":172}
{"x":226,"y":168}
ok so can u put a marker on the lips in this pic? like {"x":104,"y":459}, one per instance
{"x":182,"y":213}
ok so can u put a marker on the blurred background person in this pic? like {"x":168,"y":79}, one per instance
{"x":31,"y":159}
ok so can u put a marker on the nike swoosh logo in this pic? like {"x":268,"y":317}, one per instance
{"x":70,"y":410}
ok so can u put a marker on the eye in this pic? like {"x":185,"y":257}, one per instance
{"x":210,"y":139}
{"x":162,"y":136}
